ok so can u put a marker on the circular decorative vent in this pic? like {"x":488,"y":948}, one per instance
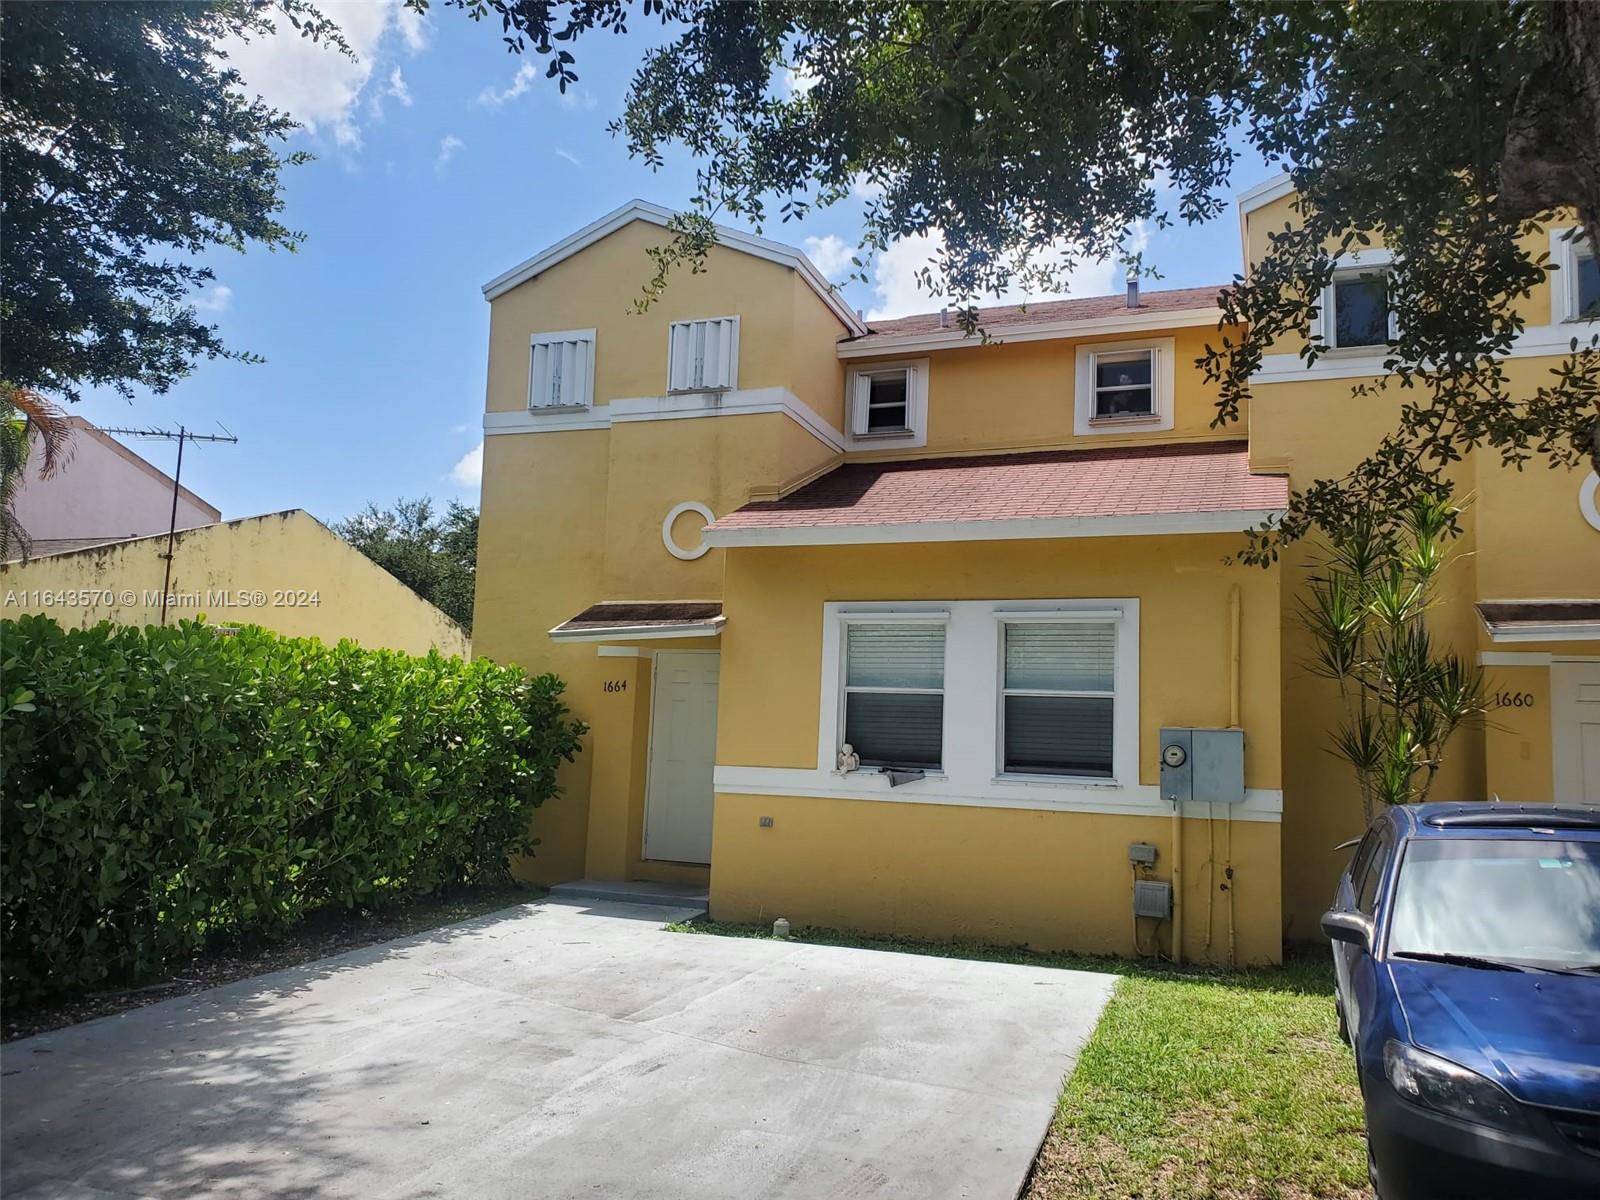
{"x":677,"y":511}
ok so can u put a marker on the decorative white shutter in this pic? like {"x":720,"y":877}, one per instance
{"x":561,"y":370}
{"x":703,"y":355}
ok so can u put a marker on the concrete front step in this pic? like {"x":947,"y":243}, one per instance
{"x":659,"y":895}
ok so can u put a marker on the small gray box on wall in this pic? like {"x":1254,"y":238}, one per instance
{"x":1218,"y":766}
{"x":1202,"y":765}
{"x":1152,"y":898}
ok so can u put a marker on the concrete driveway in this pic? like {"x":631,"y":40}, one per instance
{"x":559,"y":1050}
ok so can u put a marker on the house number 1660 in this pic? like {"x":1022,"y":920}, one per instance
{"x":616,"y":685}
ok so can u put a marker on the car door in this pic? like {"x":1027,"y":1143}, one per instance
{"x":1344,"y":900}
{"x":1361,"y":987}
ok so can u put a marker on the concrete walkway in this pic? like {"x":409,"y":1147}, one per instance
{"x":559,"y":1050}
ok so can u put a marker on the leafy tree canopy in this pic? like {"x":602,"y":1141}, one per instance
{"x":127,"y":150}
{"x":435,"y":556}
{"x":1450,"y":131}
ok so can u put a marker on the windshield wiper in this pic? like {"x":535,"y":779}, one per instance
{"x":1466,"y":960}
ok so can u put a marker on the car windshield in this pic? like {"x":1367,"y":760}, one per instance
{"x":1522,"y":901}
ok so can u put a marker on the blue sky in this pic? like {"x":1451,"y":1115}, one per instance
{"x":441,"y":161}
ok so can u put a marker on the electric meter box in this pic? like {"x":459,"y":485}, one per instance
{"x":1204,"y":766}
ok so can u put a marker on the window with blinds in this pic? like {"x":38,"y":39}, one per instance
{"x":894,"y":693}
{"x":1058,"y":694}
{"x":561,"y":370}
{"x":703,"y":355}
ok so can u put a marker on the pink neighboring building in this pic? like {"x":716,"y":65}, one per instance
{"x":105,"y":493}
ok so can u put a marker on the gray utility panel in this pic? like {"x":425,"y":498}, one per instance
{"x":1202,"y":765}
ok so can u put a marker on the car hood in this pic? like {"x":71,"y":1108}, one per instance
{"x":1537,"y":1035}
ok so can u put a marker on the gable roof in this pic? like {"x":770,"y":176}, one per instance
{"x":654,"y":214}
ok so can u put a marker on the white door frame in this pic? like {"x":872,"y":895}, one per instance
{"x":650,"y":748}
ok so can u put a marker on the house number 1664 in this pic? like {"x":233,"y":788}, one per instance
{"x":616,"y":685}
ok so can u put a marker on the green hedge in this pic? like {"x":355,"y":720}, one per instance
{"x":160,"y":787}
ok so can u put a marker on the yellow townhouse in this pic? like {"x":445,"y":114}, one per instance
{"x":886,"y":628}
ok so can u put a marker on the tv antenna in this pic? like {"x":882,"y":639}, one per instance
{"x":179,"y":435}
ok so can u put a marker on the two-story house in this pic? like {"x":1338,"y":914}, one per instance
{"x":884,"y":627}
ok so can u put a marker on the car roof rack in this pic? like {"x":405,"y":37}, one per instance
{"x":1541,"y":816}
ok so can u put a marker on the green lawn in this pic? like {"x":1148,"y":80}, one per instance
{"x":1197,"y":1084}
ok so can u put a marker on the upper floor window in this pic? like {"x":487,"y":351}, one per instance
{"x":888,"y":402}
{"x":894,"y":693}
{"x":703,"y":356}
{"x":1575,"y":289}
{"x":561,"y":370}
{"x":1122,"y":385}
{"x":1359,"y":303}
{"x":1356,"y":313}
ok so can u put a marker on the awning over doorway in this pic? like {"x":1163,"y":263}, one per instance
{"x":638,"y":620}
{"x":1541,"y":620}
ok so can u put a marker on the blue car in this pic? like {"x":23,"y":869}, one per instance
{"x":1466,"y":940}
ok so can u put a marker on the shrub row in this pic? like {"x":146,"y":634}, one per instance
{"x":160,"y":787}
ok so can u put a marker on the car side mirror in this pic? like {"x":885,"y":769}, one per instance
{"x":1352,"y":927}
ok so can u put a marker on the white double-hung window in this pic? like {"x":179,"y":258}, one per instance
{"x":894,"y":692}
{"x":1058,"y":696}
{"x":703,"y":355}
{"x":1357,"y":312}
{"x":887,"y":403}
{"x":561,"y":370}
{"x":1575,"y":288}
{"x":1124,"y":385}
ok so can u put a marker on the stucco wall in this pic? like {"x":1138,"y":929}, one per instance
{"x":1055,"y":879}
{"x":284,"y":571}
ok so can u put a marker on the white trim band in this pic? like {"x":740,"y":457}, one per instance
{"x":674,"y":406}
{"x":640,"y":633}
{"x":1139,"y":800}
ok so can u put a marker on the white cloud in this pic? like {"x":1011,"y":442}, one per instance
{"x":394,"y":88}
{"x":520,"y":83}
{"x":574,"y":99}
{"x":215,"y":299}
{"x":830,"y":254}
{"x":894,"y":277}
{"x":569,"y":156}
{"x":449,"y":146}
{"x":314,"y":83}
{"x":412,"y":28}
{"x":468,"y":473}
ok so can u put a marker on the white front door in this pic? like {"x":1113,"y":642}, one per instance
{"x":683,"y":747}
{"x":1575,"y":731}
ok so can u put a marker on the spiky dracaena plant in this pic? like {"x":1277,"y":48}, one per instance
{"x":1367,"y":606}
{"x":23,"y":414}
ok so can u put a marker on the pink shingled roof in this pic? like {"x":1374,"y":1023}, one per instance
{"x":999,"y":318}
{"x":1130,"y":481}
